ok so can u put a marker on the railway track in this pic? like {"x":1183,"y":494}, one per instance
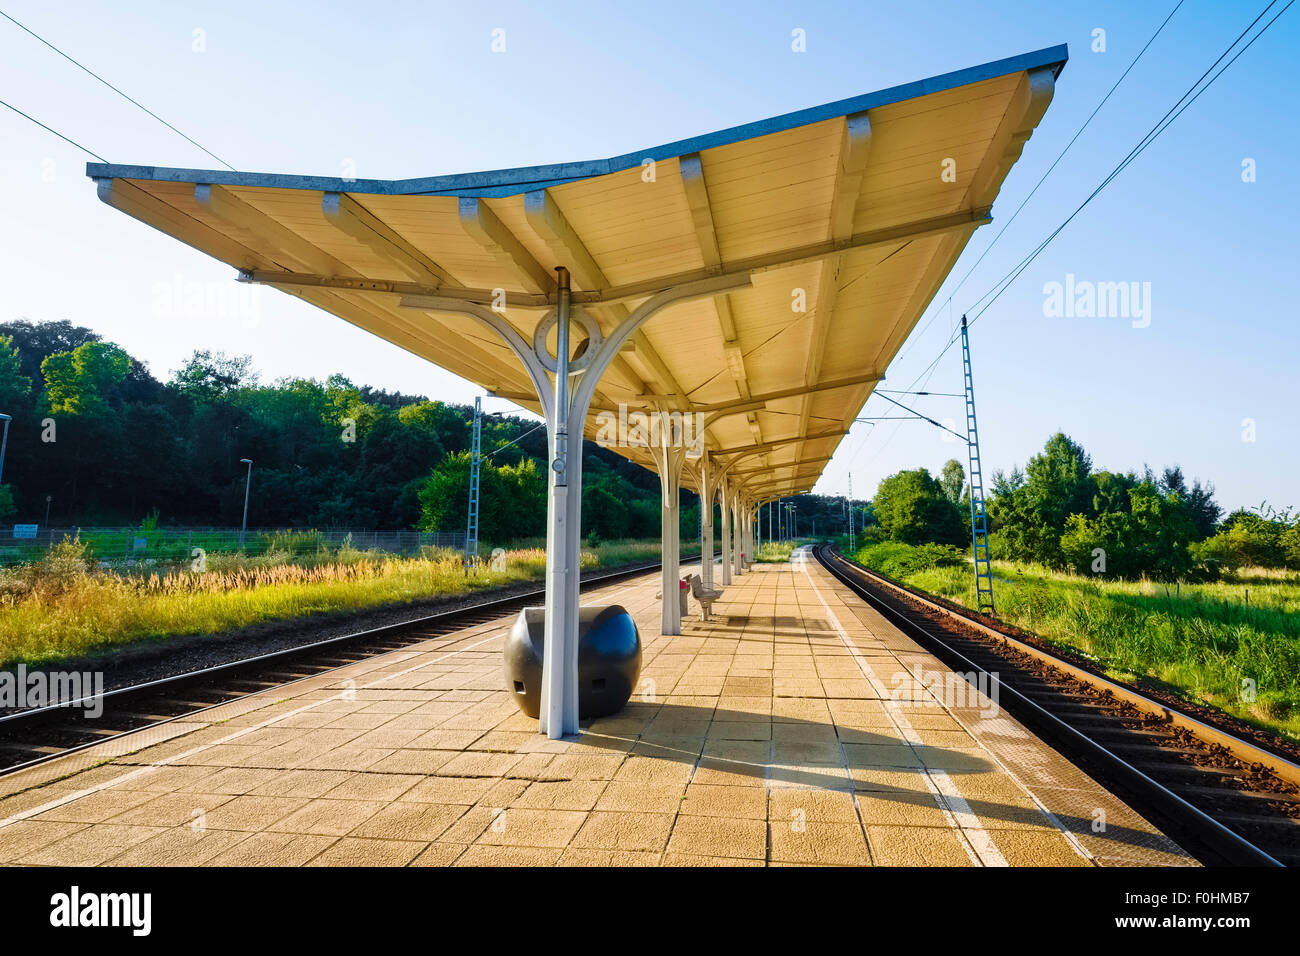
{"x":35,"y":736}
{"x":1225,"y":800}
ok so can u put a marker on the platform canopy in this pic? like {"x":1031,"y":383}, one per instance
{"x":837,"y":223}
{"x":750,"y":286}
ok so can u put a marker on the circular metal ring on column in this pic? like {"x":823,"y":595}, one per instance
{"x":583,"y":358}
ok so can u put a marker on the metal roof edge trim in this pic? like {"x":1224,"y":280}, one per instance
{"x":510,"y":182}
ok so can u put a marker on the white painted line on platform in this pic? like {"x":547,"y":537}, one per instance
{"x":975,"y":839}
{"x":1050,"y":817}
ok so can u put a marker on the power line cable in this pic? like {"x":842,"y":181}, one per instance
{"x":1055,"y":163}
{"x":1072,"y":141}
{"x":133,"y":102}
{"x":1174,"y":112}
{"x":48,"y":129}
{"x":513,"y":440}
{"x":1164,"y":123}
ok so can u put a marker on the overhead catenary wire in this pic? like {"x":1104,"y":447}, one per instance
{"x":924,"y":417}
{"x":1060,"y":156}
{"x":1073,"y":139}
{"x":928,"y":370}
{"x":49,"y":129}
{"x":1164,"y":123}
{"x":513,"y":440}
{"x":129,"y":99}
{"x":1183,"y":102}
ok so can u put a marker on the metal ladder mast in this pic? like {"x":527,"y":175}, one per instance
{"x":852,"y":543}
{"x":471,"y":526}
{"x":978,"y":517}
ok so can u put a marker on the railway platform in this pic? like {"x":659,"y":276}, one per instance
{"x":798,"y":727}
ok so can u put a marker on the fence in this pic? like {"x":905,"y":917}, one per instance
{"x":116,"y":547}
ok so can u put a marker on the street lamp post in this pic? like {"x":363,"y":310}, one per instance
{"x":48,"y":499}
{"x":4,"y":442}
{"x":248,"y":482}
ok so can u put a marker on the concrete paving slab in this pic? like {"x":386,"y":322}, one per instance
{"x":784,"y":732}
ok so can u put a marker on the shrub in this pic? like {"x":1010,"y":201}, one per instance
{"x":1151,"y":539}
{"x":897,"y":560}
{"x":295,"y":542}
{"x":65,"y":566}
{"x":1249,"y":539}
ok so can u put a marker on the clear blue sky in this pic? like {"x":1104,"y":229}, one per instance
{"x":407,"y":89}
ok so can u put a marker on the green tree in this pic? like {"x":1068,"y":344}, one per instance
{"x":1247,"y":538}
{"x":15,"y":384}
{"x":36,"y":341}
{"x":79,"y":382}
{"x":522,"y":500}
{"x":913,"y":507}
{"x":206,"y":376}
{"x":1151,"y":538}
{"x":953,"y":480}
{"x":603,"y":512}
{"x":1029,"y":509}
{"x":1198,"y":500}
{"x":511,"y":499}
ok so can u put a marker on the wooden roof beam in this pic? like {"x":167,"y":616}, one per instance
{"x":813,"y":252}
{"x":483,"y":225}
{"x":349,"y":216}
{"x":134,"y":201}
{"x":548,"y":222}
{"x":706,"y":236}
{"x":855,"y":145}
{"x":764,"y":446}
{"x":257,"y":230}
{"x":776,"y":467}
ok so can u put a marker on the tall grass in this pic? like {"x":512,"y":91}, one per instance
{"x":1218,"y":643}
{"x":775,"y":552}
{"x":65,"y":607}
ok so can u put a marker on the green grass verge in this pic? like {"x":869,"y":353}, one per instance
{"x":1232,"y":644}
{"x":775,"y":552}
{"x":62,"y":609}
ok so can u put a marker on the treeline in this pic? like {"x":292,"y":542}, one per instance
{"x":109,"y":444}
{"x":1060,"y":512}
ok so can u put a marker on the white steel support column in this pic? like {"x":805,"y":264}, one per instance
{"x":564,"y":426}
{"x":559,"y":704}
{"x":749,"y":532}
{"x":725,"y":509}
{"x":669,"y":462}
{"x":739,"y":544}
{"x":707,"y":490}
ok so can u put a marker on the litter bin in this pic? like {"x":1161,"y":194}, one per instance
{"x":609,"y":659}
{"x":683,"y":589}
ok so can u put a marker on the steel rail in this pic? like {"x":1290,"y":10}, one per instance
{"x":1230,"y":845}
{"x":49,"y":712}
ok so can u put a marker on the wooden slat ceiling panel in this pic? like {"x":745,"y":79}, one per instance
{"x":432,"y":225}
{"x":633,"y":229}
